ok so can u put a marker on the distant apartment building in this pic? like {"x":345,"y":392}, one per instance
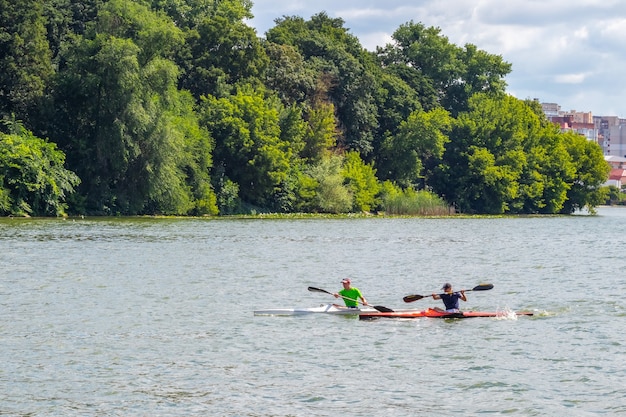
{"x":582,"y":123}
{"x":550,"y":109}
{"x":577,"y":122}
{"x":611,"y":134}
{"x":608,"y":131}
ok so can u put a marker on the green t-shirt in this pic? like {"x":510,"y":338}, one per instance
{"x":353,"y":293}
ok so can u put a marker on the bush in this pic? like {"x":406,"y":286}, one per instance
{"x":413,"y":203}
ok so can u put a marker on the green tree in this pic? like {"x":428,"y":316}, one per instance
{"x":331,"y":194}
{"x":426,"y":52}
{"x":154,"y":33}
{"x":221,"y":51}
{"x":293,"y":129}
{"x":396,"y":100}
{"x":504,"y":157}
{"x":321,"y":134}
{"x":65,"y":18}
{"x":442,"y":72}
{"x":343,"y":76}
{"x":591,"y":171}
{"x":25,"y":57}
{"x":613,"y":195}
{"x":420,"y":142}
{"x":132,"y":136}
{"x":487,"y":155}
{"x":362,"y":182}
{"x":33,"y":180}
{"x":481,"y":73}
{"x":288,"y":75}
{"x":545,"y":177}
{"x":188,"y":14}
{"x":249,"y":150}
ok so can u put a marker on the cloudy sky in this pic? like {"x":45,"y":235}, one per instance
{"x":568,"y":52}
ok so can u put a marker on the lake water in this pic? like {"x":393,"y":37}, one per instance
{"x":154,"y":317}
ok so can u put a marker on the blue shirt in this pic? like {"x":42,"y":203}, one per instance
{"x":451,"y":301}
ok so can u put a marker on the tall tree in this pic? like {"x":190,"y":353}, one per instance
{"x":65,"y":18}
{"x":396,"y":100}
{"x":132,"y":135}
{"x":504,"y":158}
{"x":442,"y":72}
{"x":591,"y":171}
{"x":419,"y":143}
{"x":484,"y":159}
{"x":288,"y":74}
{"x":481,"y":73}
{"x":343,"y":77}
{"x":25,"y":57}
{"x":221,"y":51}
{"x":187,"y":14}
{"x":154,"y":33}
{"x":249,"y":150}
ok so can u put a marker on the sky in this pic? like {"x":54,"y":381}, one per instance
{"x":569,"y":52}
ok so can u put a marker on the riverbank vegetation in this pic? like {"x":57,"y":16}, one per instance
{"x":178,"y":107}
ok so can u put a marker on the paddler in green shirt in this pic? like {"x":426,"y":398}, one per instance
{"x":350,"y":294}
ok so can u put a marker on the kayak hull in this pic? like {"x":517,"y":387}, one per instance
{"x":440,"y":314}
{"x":323,"y":309}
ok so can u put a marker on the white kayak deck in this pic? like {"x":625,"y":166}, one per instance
{"x":324,"y":308}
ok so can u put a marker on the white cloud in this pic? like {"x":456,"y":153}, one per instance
{"x":582,"y":33}
{"x":553,"y":45}
{"x":371,"y":40}
{"x":570,"y":78}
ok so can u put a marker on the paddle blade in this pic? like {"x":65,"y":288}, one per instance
{"x":383,"y":309}
{"x":411,"y":298}
{"x":313,"y":289}
{"x":482,"y":287}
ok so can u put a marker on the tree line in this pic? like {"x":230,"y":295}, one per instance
{"x":119,"y":107}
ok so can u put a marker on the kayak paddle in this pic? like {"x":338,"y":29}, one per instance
{"x":382,"y":309}
{"x":415,"y":297}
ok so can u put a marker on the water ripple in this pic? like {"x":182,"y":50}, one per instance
{"x":123,"y":317}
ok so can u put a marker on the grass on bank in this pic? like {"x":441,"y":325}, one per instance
{"x":416,"y":203}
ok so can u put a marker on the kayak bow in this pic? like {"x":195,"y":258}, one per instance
{"x":326,"y":309}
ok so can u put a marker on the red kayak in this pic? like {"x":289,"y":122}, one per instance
{"x":411,"y":314}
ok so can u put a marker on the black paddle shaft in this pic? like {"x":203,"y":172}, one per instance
{"x":416,"y":297}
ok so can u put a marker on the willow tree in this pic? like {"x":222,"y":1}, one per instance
{"x":131,"y":134}
{"x":25,"y":57}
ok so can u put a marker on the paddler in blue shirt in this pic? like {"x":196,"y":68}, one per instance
{"x":450,"y":299}
{"x":350,"y":294}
